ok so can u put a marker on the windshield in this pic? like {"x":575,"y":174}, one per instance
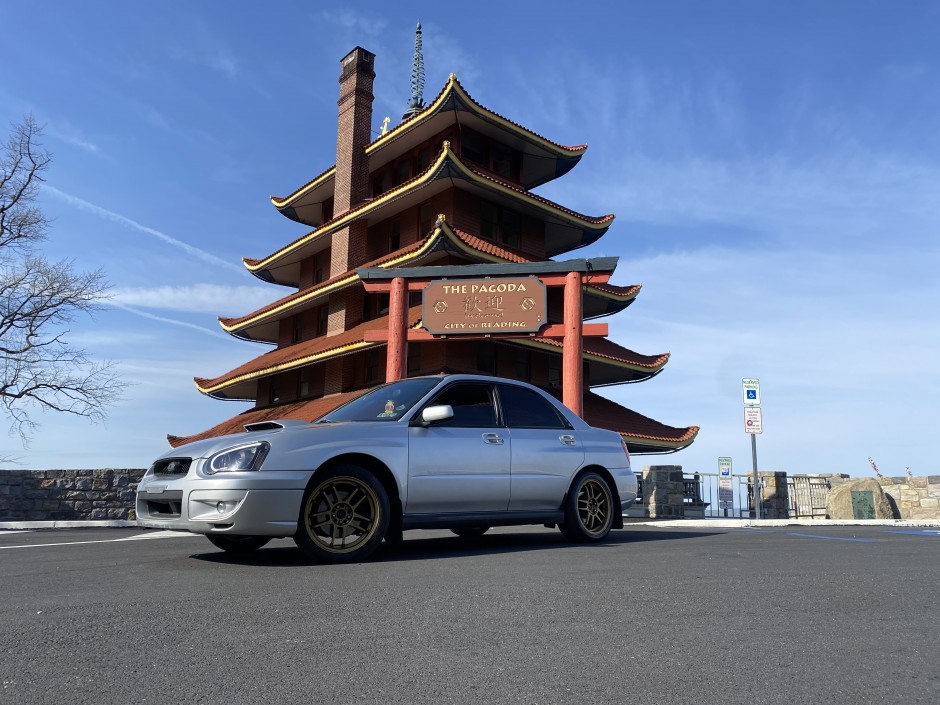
{"x":388,"y":403}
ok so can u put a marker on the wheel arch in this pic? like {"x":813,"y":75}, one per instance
{"x":381,"y":471}
{"x":611,"y":484}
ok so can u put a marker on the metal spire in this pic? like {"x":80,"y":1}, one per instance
{"x":416,"y":104}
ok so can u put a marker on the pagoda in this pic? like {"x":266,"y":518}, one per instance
{"x":450,"y":186}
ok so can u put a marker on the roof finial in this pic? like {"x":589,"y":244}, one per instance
{"x":416,"y":104}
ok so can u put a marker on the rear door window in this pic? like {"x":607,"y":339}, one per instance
{"x":524,"y":408}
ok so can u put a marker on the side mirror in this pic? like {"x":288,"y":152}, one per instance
{"x":433,"y":414}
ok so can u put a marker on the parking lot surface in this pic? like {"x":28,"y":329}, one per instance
{"x":654,"y":615}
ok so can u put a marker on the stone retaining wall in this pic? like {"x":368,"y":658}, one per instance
{"x":913,"y":497}
{"x":68,"y":495}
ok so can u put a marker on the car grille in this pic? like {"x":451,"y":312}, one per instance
{"x":172,"y":467}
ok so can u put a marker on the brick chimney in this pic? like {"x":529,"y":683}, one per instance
{"x":351,"y":184}
{"x":354,"y":132}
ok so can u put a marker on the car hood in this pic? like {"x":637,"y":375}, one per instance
{"x":311,"y":431}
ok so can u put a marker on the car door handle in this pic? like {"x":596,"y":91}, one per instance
{"x":568,"y":439}
{"x":492,"y":438}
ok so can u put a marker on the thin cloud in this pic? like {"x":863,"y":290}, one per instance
{"x":356,"y":22}
{"x":197,"y":298}
{"x":64,"y":131}
{"x":134,"y":225}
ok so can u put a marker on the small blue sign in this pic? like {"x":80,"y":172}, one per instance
{"x":752,"y":394}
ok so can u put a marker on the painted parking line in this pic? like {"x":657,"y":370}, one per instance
{"x":833,"y":538}
{"x":915,"y":532}
{"x":139,"y":537}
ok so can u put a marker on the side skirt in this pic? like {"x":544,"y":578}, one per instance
{"x":447,"y":521}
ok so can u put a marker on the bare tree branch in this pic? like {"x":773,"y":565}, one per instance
{"x":38,"y":367}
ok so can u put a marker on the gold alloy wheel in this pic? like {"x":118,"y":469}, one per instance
{"x":342,"y":514}
{"x":594,"y":506}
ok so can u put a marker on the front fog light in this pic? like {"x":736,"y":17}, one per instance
{"x":220,"y":507}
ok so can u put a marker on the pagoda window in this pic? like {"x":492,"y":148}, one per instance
{"x":523,"y":365}
{"x":322,"y":315}
{"x":394,"y":239}
{"x":321,"y":266}
{"x":473,"y":147}
{"x":274,"y":390}
{"x":374,"y":306}
{"x":402,"y":171}
{"x":486,"y":358}
{"x":505,"y":162}
{"x":303,"y":382}
{"x":426,"y":219}
{"x":298,"y":331}
{"x":328,"y":210}
{"x":492,"y":156}
{"x":414,"y":298}
{"x":373,"y":365}
{"x":554,"y":371}
{"x":414,"y":359}
{"x":381,"y":183}
{"x":423,"y":160}
{"x":500,"y":224}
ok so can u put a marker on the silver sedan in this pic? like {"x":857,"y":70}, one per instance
{"x":461,"y":452}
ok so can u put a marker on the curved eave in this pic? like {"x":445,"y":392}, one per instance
{"x":454,"y":99}
{"x":578,"y":229}
{"x":644,"y":445}
{"x":604,"y":368}
{"x":236,"y":387}
{"x":599,"y":300}
{"x":304,"y":205}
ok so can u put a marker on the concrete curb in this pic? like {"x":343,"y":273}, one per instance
{"x":768,"y":523}
{"x":35,"y":525}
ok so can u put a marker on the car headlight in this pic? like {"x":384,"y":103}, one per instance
{"x":245,"y":457}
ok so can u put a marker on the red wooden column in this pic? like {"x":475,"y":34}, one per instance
{"x":572,"y":373}
{"x":396,"y":364}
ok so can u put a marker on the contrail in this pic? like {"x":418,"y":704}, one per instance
{"x":163,"y":319}
{"x":134,"y":225}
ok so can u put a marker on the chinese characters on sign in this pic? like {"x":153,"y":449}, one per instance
{"x":484,"y":306}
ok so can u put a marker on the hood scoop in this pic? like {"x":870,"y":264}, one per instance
{"x":274,"y":425}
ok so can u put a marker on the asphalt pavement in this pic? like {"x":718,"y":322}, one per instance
{"x":791,"y":614}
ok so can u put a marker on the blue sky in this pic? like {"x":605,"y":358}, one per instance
{"x":774,"y":168}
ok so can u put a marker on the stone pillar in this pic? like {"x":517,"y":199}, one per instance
{"x":774,"y":496}
{"x":664,"y":489}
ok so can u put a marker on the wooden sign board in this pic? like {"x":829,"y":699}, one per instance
{"x":484,"y":306}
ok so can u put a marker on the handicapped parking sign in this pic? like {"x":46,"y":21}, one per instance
{"x":751,"y":391}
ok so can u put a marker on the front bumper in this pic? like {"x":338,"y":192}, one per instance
{"x":244,"y":504}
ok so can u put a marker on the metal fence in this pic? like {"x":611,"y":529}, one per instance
{"x":808,"y":496}
{"x":701,"y":498}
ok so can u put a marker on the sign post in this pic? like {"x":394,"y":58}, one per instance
{"x":753,"y":424}
{"x":725,"y":485}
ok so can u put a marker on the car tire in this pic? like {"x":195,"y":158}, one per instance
{"x":238,"y":544}
{"x":470,"y":532}
{"x":589,"y":509}
{"x":344,"y":515}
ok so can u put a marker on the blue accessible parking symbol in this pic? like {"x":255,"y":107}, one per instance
{"x":751,"y":394}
